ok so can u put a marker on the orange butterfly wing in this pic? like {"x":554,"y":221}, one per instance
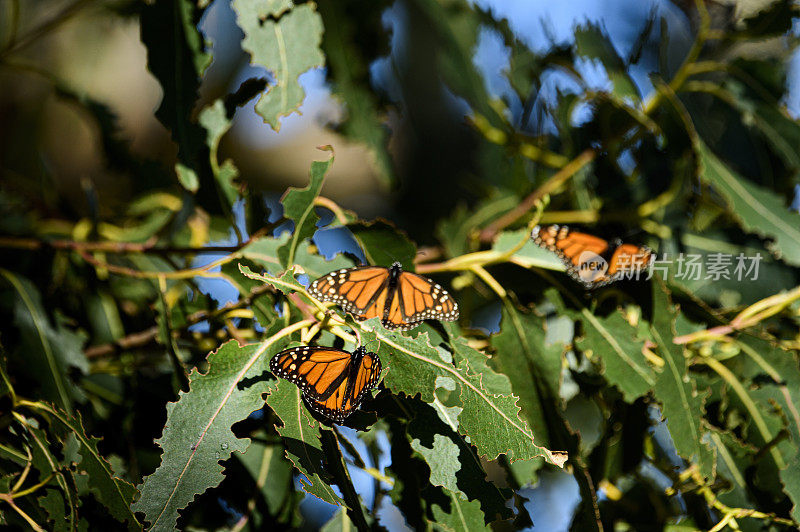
{"x":401,"y":299}
{"x":317,"y":371}
{"x":417,"y":299}
{"x":349,"y":393}
{"x":356,"y":290}
{"x":628,"y":258}
{"x":578,"y":249}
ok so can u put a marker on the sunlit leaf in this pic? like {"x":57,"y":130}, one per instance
{"x":286,"y":43}
{"x":198,"y":434}
{"x":298,"y":206}
{"x":459,"y":516}
{"x":489,"y":415}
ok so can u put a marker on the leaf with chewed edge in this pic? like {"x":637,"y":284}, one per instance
{"x":286,"y":40}
{"x":490,"y":415}
{"x":301,"y":436}
{"x":682,"y":405}
{"x":197,"y":435}
{"x":113,"y":492}
{"x":298,"y":206}
{"x":757,"y":209}
{"x":463,"y":516}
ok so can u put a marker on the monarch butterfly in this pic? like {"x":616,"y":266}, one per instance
{"x":590,"y":260}
{"x":333,"y":381}
{"x":401,"y":299}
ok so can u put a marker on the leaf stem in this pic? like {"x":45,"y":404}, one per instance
{"x":748,"y":402}
{"x":549,"y":186}
{"x":10,"y":500}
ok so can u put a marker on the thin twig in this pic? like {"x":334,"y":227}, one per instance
{"x":148,"y":335}
{"x":551,"y":185}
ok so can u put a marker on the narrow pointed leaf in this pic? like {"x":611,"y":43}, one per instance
{"x":298,"y":206}
{"x":758,"y":210}
{"x":49,"y":351}
{"x":682,"y":405}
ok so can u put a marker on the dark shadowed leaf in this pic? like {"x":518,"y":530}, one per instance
{"x":757,"y":209}
{"x":48,"y":351}
{"x":682,"y":404}
{"x":383,"y":243}
{"x":301,"y":438}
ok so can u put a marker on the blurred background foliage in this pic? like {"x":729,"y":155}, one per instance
{"x":145,"y":148}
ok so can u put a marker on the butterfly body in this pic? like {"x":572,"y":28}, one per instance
{"x":333,"y":381}
{"x":591,"y":260}
{"x":401,"y":299}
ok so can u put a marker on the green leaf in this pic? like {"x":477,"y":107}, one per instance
{"x":461,"y":516}
{"x":271,"y":472}
{"x":757,"y":210}
{"x":454,"y":232}
{"x":455,"y":27}
{"x":286,"y":44}
{"x":383,"y":243}
{"x":681,"y":404}
{"x":782,"y":368}
{"x":287,"y":283}
{"x":53,"y":503}
{"x":301,"y":437}
{"x":176,"y":56}
{"x":618,"y":346}
{"x":593,"y":43}
{"x":298,"y":206}
{"x":103,"y":314}
{"x":529,"y":255}
{"x":338,"y":523}
{"x":187,"y":177}
{"x":113,"y":492}
{"x":46,"y":463}
{"x":264,"y":305}
{"x":521,"y":353}
{"x":48,"y":351}
{"x":791,"y":485}
{"x":198,"y":433}
{"x":216,"y":123}
{"x":489,"y":415}
{"x":453,"y":463}
{"x":264,"y":252}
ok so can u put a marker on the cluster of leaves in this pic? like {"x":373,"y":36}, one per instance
{"x":677,"y":400}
